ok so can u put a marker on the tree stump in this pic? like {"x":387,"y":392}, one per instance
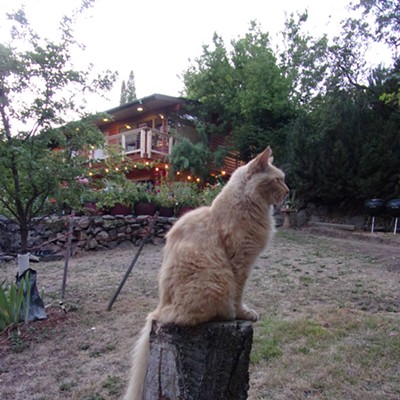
{"x":205,"y":362}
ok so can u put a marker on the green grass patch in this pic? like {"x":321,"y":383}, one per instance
{"x":114,"y":385}
{"x":272,"y":335}
{"x":337,"y":350}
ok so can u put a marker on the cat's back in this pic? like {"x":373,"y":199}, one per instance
{"x":194,"y":224}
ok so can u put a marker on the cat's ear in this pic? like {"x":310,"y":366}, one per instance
{"x":260,"y":163}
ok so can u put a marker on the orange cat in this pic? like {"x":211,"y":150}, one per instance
{"x":209,"y":255}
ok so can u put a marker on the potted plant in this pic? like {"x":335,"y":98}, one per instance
{"x":145,"y":203}
{"x":89,"y":203}
{"x":118,"y":199}
{"x":165,"y":200}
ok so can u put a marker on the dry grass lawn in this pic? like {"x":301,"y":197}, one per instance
{"x":330,"y":326}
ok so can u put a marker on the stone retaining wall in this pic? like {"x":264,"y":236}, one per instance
{"x":50,"y":234}
{"x":107,"y":231}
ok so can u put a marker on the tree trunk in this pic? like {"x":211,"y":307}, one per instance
{"x":205,"y":362}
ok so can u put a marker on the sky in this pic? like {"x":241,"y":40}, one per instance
{"x":156,"y":39}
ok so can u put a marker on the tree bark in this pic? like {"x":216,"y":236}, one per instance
{"x":205,"y":362}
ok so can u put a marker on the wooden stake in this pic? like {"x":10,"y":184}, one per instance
{"x":121,"y":285}
{"x":67,"y":254}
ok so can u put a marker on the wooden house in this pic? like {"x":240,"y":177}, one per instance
{"x":146,"y":131}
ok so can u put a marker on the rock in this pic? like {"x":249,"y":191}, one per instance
{"x":83,"y":222}
{"x":92,"y":244}
{"x":102,"y":236}
{"x":301,"y":218}
{"x":126,"y":245}
{"x":112,"y":245}
{"x":112,"y":233}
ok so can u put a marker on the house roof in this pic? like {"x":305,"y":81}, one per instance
{"x":151,"y":103}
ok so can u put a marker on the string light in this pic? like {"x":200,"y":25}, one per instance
{"x":189,"y":177}
{"x":157,"y":169}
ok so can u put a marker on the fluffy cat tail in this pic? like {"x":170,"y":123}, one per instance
{"x":140,"y":362}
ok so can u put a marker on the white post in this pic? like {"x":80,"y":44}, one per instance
{"x":170,"y":144}
{"x":23,"y":263}
{"x":149,"y":136}
{"x":123,"y":143}
{"x":142,"y":143}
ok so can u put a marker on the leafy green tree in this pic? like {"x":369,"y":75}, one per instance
{"x":347,"y":149}
{"x":343,"y":144}
{"x":40,"y":150}
{"x":386,"y":26}
{"x":304,"y":61}
{"x":128,"y":90}
{"x":192,"y":158}
{"x":243,"y":94}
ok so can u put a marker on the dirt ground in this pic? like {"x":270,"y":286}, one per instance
{"x":330,"y":277}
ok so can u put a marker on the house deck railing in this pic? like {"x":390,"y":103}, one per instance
{"x":143,"y":142}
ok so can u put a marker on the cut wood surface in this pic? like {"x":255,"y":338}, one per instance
{"x":204,"y":362}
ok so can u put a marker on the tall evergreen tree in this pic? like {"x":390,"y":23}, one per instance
{"x":128,"y":89}
{"x":122,"y":99}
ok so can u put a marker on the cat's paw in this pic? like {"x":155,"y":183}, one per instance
{"x":247,"y":314}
